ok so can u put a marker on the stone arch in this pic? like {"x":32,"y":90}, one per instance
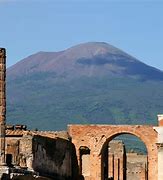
{"x":95,"y":136}
{"x":146,"y":134}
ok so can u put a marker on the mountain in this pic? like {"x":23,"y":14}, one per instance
{"x":88,"y":83}
{"x":89,"y":59}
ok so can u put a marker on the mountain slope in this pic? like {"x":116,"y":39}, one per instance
{"x":89,"y":59}
{"x":88,"y":83}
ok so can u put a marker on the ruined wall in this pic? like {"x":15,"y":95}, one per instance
{"x":117,"y":160}
{"x":52,"y":157}
{"x":47,"y":154}
{"x":122,"y":165}
{"x":95,"y":137}
{"x":12,"y":151}
{"x":136,"y":166}
{"x":53,"y":154}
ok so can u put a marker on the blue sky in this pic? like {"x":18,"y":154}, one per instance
{"x":135,"y":26}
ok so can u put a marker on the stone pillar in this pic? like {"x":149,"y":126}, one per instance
{"x":160,"y":160}
{"x":159,"y":144}
{"x":95,"y":166}
{"x":2,"y":104}
{"x":111,"y":165}
{"x":116,"y":168}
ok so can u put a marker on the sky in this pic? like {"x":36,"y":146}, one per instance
{"x":135,"y":26}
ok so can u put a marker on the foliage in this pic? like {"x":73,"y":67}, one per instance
{"x":49,"y":102}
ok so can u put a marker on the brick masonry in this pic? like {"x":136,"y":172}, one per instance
{"x":95,"y":137}
{"x":2,"y":104}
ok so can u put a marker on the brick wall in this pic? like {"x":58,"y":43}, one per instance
{"x":96,"y":137}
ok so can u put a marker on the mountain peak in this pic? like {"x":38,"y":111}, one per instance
{"x":94,"y":48}
{"x":86,"y":59}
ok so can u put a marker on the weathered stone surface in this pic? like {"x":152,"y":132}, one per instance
{"x":50,"y":153}
{"x":95,"y":137}
{"x":136,"y":166}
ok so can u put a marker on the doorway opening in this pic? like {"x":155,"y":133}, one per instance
{"x":124,"y":157}
{"x":84,"y":161}
{"x":9,"y":160}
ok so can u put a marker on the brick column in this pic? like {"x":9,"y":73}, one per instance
{"x":2,"y":105}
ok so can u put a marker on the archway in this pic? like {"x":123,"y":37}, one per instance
{"x":123,"y":161}
{"x":95,"y":136}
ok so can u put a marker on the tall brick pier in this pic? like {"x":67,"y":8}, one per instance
{"x":2,"y":104}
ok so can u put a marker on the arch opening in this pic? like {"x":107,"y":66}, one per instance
{"x":124,"y":156}
{"x":84,"y":158}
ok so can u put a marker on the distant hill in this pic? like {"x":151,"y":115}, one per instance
{"x":88,"y":83}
